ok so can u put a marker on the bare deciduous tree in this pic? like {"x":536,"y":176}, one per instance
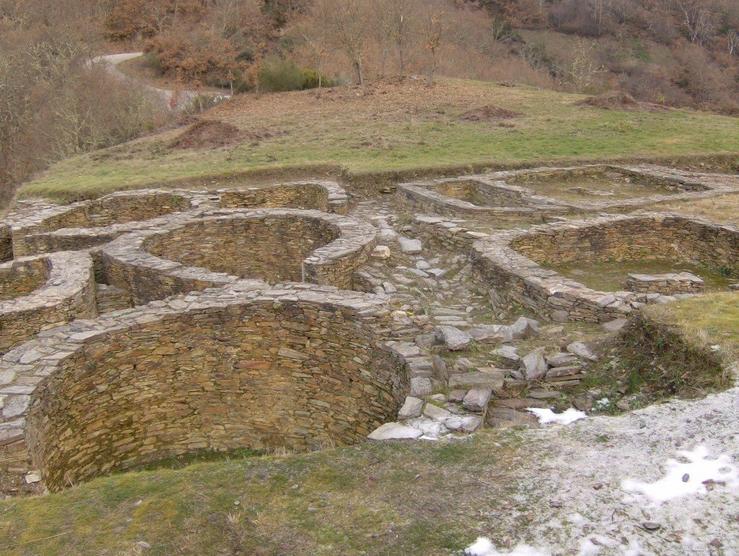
{"x":397,"y":17}
{"x":346,"y":27}
{"x":698,"y":18}
{"x":433,"y":33}
{"x":732,"y":41}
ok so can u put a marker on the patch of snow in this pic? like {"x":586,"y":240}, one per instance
{"x":483,"y":547}
{"x":684,"y":479}
{"x":547,"y":416}
{"x":577,"y":519}
{"x":593,"y":545}
{"x":588,"y":548}
{"x":634,"y":549}
{"x":429,"y":428}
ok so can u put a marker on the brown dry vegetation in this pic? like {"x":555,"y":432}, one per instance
{"x":488,"y":113}
{"x":50,"y":95}
{"x":724,"y":209}
{"x":674,"y":52}
{"x":617,"y":100}
{"x":388,"y":127}
{"x":206,"y":134}
{"x":661,"y":52}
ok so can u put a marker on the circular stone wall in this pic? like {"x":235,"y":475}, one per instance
{"x":607,"y":187}
{"x":510,"y":261}
{"x":6,"y":243}
{"x":632,"y":238}
{"x":21,"y":277}
{"x":320,"y":195}
{"x":42,"y":292}
{"x":118,"y":208}
{"x":476,"y":196}
{"x":265,"y":245}
{"x":89,"y":223}
{"x":301,"y":368}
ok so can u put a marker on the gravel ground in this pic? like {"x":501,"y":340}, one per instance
{"x":580,"y":505}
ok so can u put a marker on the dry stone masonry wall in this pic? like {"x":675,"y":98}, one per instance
{"x":22,"y":276}
{"x":218,"y":311}
{"x":320,"y":195}
{"x":42,"y":292}
{"x":510,"y":261}
{"x":6,"y":243}
{"x":513,"y":193}
{"x":43,"y":228}
{"x":475,"y":196}
{"x":653,"y":185}
{"x":268,"y":245}
{"x":297,"y":367}
{"x":666,"y":284}
{"x":641,"y":237}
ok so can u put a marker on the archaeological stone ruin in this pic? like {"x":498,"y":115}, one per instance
{"x":155,"y":323}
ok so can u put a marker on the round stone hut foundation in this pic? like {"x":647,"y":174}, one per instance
{"x":297,"y":367}
{"x":42,"y":292}
{"x":266,"y":246}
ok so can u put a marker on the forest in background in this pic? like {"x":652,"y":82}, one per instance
{"x":673,"y":52}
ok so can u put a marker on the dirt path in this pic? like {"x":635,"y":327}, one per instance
{"x":172,"y":99}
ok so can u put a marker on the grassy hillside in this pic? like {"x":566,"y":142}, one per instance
{"x":393,"y":127}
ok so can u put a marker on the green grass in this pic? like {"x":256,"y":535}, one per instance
{"x":684,"y":349}
{"x":611,"y":275}
{"x":405,"y":498}
{"x":706,"y":320}
{"x":406,"y":127}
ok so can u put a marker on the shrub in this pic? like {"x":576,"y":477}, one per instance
{"x":312,"y":79}
{"x":201,"y":56}
{"x":201,"y":103}
{"x":279,"y":74}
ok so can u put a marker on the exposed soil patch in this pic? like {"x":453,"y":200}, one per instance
{"x":207,"y":134}
{"x":618,"y":100}
{"x":488,"y":113}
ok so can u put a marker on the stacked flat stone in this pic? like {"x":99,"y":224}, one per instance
{"x":509,"y":260}
{"x":516,"y":277}
{"x":267,"y":245}
{"x":233,"y":362}
{"x":296,"y":366}
{"x":453,"y":234}
{"x":666,"y":284}
{"x":447,"y":197}
{"x":42,"y":292}
{"x":6,"y":243}
{"x":684,"y":186}
{"x":507,"y":194}
{"x":326,"y":196}
{"x":42,"y":227}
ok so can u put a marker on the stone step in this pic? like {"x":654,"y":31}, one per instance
{"x":563,"y":372}
{"x":564,"y":383}
{"x":506,"y":417}
{"x":487,"y":377}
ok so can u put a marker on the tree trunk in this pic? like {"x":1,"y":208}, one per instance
{"x":401,"y":58}
{"x":358,"y":72}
